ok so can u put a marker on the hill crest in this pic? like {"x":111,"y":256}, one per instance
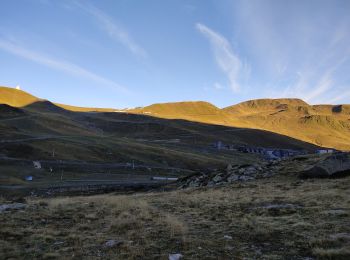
{"x":323,"y":125}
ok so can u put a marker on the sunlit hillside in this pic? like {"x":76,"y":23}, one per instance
{"x":323,"y":125}
{"x":20,"y":98}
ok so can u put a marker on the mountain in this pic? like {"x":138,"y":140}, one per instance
{"x":164,"y":135}
{"x":15,"y":97}
{"x":198,"y":111}
{"x":20,"y":98}
{"x":324,"y":125}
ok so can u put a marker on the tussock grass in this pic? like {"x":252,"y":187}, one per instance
{"x":228,"y":222}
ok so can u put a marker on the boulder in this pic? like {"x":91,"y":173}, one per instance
{"x":246,"y":178}
{"x":251,"y":170}
{"x":175,"y":256}
{"x":194,"y":183}
{"x":113,"y":243}
{"x":13,"y":206}
{"x":233,"y":178}
{"x":334,"y":166}
{"x":217,"y":178}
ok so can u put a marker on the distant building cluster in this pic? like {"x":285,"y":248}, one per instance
{"x":269,"y":153}
{"x":325,"y":151}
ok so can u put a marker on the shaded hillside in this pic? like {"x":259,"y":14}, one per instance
{"x":323,"y":125}
{"x":147,"y":139}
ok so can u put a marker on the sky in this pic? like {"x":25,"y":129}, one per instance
{"x":123,"y":53}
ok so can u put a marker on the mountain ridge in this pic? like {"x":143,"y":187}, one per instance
{"x":322,"y":125}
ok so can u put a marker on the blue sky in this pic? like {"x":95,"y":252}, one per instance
{"x":122,"y":53}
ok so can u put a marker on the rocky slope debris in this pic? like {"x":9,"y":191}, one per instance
{"x":337,"y":165}
{"x":233,"y":173}
{"x":321,"y":166}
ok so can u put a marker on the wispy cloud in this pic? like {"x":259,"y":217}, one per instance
{"x":218,"y":86}
{"x":290,"y":55}
{"x":225,"y":57}
{"x":114,"y":30}
{"x":320,"y":88}
{"x":70,"y":68}
{"x":344,"y":95}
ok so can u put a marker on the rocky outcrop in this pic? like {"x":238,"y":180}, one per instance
{"x":236,"y":173}
{"x":334,"y":166}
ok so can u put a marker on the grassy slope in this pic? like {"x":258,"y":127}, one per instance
{"x":324,"y":125}
{"x":199,"y":111}
{"x":20,"y":98}
{"x":227,"y":222}
{"x":42,"y":127}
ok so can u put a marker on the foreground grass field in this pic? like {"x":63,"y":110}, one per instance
{"x":276,"y":218}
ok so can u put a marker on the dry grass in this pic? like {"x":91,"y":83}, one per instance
{"x":248,"y":220}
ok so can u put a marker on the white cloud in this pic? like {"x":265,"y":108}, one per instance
{"x":64,"y":66}
{"x":115,"y":31}
{"x":226,"y":59}
{"x":218,"y":86}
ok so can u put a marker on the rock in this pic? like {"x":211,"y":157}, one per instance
{"x":217,"y":178}
{"x":211,"y":184}
{"x":175,"y":256}
{"x":113,"y":243}
{"x":280,"y":206}
{"x":337,"y":165}
{"x":336,"y":212}
{"x":13,"y":206}
{"x":341,"y":236}
{"x":232,"y":178}
{"x":251,"y":170}
{"x":241,"y":170}
{"x":245,"y":178}
{"x":194,"y":183}
{"x":57,"y":243}
{"x":227,"y":237}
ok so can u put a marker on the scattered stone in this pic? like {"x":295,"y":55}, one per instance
{"x":194,"y":183}
{"x":245,"y":178}
{"x":13,"y":206}
{"x":175,"y":256}
{"x":341,"y":236}
{"x":336,"y":212}
{"x":217,"y":178}
{"x":233,"y":178}
{"x":211,"y":184}
{"x":113,"y":243}
{"x":251,"y":170}
{"x":227,"y":237}
{"x":280,"y":206}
